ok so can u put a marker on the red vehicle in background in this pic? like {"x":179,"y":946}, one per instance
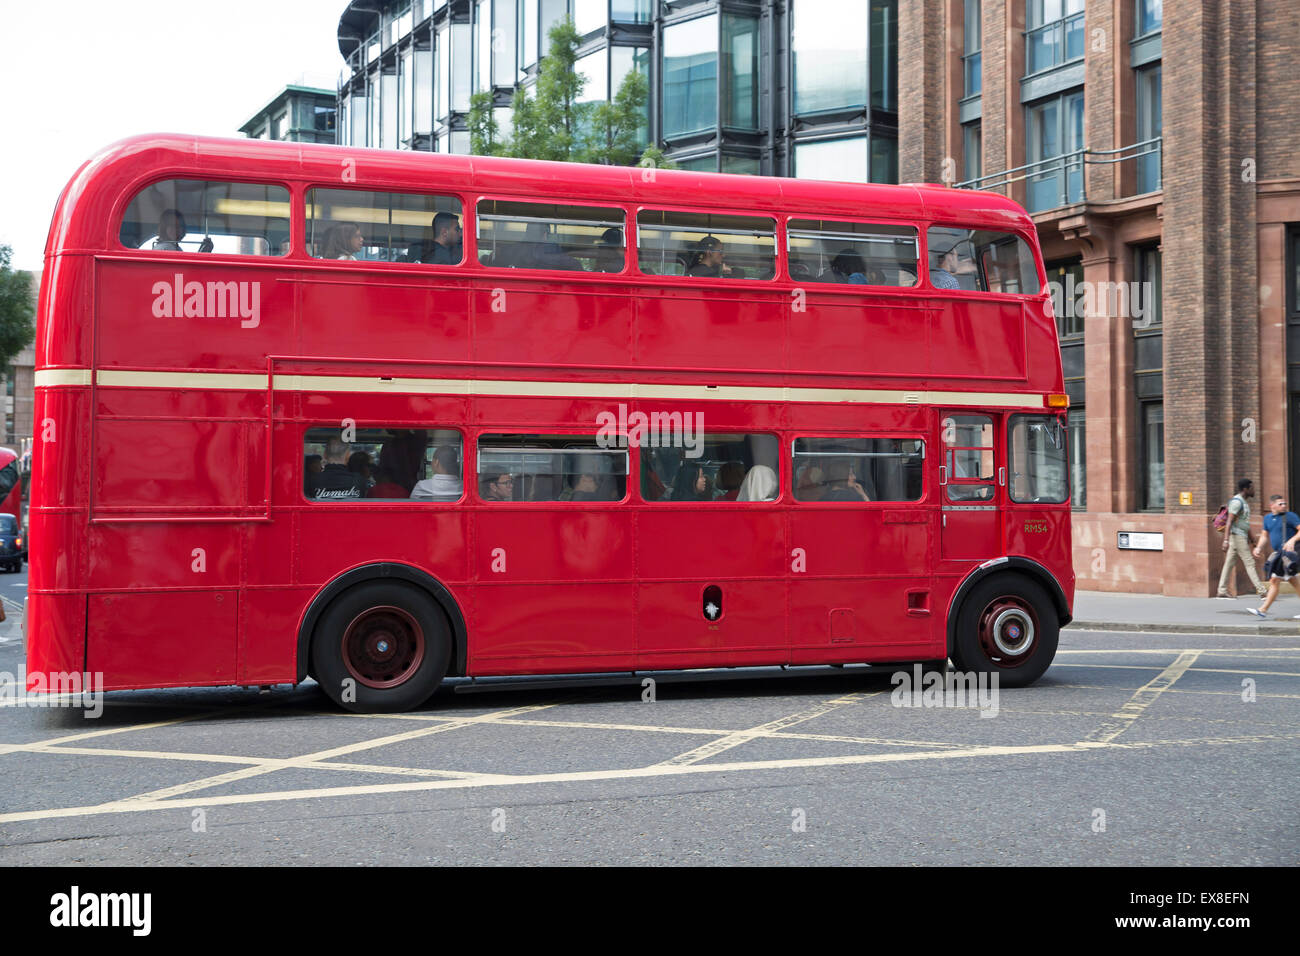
{"x":385,"y":417}
{"x":13,"y":548}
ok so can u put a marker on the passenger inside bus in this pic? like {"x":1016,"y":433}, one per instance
{"x":809,"y":484}
{"x":335,"y":482}
{"x":842,"y":483}
{"x":759,"y":485}
{"x":953,"y":262}
{"x":730,"y":475}
{"x":706,"y":260}
{"x":171,"y":230}
{"x":385,"y":486}
{"x":498,"y":486}
{"x":342,"y":241}
{"x":442,"y":243}
{"x":609,"y":252}
{"x":445,"y":485}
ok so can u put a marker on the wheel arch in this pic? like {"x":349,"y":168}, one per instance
{"x":385,"y":571}
{"x":1026,"y":566}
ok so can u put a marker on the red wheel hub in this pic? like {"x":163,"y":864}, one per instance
{"x":383,"y":647}
{"x":1008,"y":629}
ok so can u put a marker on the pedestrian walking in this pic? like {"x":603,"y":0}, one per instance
{"x":1236,"y":538}
{"x":1281,"y":531}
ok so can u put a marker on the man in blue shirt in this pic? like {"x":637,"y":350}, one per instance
{"x":1281,"y":531}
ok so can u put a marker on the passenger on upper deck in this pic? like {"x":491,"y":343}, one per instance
{"x":759,"y":485}
{"x":342,"y":241}
{"x":443,"y":243}
{"x":848,"y":267}
{"x":951,"y":264}
{"x":843,"y":483}
{"x":541,"y":251}
{"x":609,"y":252}
{"x":171,"y":230}
{"x":706,"y":260}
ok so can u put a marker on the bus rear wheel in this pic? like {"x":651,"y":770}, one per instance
{"x":381,"y":647}
{"x":1008,"y":626}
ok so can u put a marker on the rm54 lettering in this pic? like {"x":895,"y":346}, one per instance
{"x":208,"y":300}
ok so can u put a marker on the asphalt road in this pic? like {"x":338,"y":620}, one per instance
{"x":1134,"y":749}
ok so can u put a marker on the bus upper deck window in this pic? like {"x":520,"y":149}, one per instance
{"x":384,"y":227}
{"x":980,"y":260}
{"x":521,"y":235}
{"x":706,"y":245}
{"x":852,"y":253}
{"x":191,"y":215}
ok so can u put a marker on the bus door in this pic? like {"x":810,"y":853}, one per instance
{"x":970,"y":474}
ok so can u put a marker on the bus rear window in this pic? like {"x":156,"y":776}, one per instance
{"x":383,"y":227}
{"x":852,"y":253}
{"x":706,"y":245}
{"x":979,"y":260}
{"x":521,"y":235}
{"x":191,"y":215}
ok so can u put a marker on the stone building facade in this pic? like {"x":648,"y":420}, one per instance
{"x":1157,"y":147}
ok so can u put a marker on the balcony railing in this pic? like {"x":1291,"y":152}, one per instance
{"x":1062,"y":180}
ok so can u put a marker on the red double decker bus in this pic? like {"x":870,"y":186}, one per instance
{"x":384,"y":417}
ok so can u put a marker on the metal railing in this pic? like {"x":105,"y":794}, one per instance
{"x":1069,"y":171}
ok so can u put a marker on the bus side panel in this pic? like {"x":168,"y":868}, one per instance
{"x":554,"y":591}
{"x":426,"y":320}
{"x":971,"y":337}
{"x":268,"y":631}
{"x":690,"y":328}
{"x":590,"y":325}
{"x":837,"y":333}
{"x":194,"y":315}
{"x":56,"y":634}
{"x":125,"y":555}
{"x":162,"y":638}
{"x":867,"y":586}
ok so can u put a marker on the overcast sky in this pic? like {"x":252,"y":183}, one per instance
{"x":83,"y":73}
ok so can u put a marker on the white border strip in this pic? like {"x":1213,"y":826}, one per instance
{"x":626,"y":391}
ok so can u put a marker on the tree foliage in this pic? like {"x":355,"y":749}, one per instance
{"x":16,"y":309}
{"x":553,"y":122}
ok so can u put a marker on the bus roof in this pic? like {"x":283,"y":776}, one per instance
{"x":84,"y":216}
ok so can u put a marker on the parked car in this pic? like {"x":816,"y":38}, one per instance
{"x":13,"y":544}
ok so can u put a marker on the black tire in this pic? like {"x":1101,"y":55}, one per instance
{"x":380,"y":648}
{"x":1007,"y":625}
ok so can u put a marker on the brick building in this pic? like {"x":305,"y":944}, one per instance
{"x":1157,"y":147}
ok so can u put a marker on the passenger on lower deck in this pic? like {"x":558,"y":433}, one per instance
{"x":335,"y":482}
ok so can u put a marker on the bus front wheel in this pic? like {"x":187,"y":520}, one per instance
{"x":382,"y":647}
{"x":1008,"y":626}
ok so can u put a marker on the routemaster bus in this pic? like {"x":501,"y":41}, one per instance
{"x":381,"y":418}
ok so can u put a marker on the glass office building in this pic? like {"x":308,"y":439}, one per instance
{"x":793,"y":88}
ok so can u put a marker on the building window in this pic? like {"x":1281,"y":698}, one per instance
{"x":1054,"y":33}
{"x":1054,"y":142}
{"x":690,"y":77}
{"x":739,"y":72}
{"x":506,"y":50}
{"x":1148,"y":375}
{"x":590,"y":15}
{"x":1065,"y":283}
{"x":632,"y":11}
{"x":844,"y":160}
{"x":1150,"y":16}
{"x":829,"y":53}
{"x":884,"y":159}
{"x":1148,"y":128}
{"x":884,"y":56}
{"x":622,"y":61}
{"x":972,"y":137}
{"x":972,"y":60}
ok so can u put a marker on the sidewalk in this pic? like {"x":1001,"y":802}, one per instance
{"x":1103,"y":610}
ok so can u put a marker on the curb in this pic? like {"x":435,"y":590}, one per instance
{"x":1285,"y":629}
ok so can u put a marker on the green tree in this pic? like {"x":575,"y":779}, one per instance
{"x":554,"y":123}
{"x":16,"y":309}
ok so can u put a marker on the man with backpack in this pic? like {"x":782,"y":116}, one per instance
{"x":1281,"y":531}
{"x":1236,"y":537}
